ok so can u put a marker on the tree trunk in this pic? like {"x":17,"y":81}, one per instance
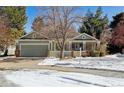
{"x":93,"y":32}
{"x":61,"y":53}
{"x":5,"y":52}
{"x":103,"y":48}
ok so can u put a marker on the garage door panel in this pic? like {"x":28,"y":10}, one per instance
{"x":34,"y":50}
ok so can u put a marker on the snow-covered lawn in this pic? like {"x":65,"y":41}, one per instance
{"x":6,"y":57}
{"x":46,"y":78}
{"x":111,"y":62}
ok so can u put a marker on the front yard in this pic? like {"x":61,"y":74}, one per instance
{"x":13,"y":63}
{"x":50,"y":78}
{"x":108,"y":62}
{"x":86,"y":72}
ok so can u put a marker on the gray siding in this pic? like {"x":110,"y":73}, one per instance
{"x":33,"y":41}
{"x":84,"y":37}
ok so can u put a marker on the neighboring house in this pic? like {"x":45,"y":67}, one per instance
{"x":11,"y":50}
{"x":43,"y":44}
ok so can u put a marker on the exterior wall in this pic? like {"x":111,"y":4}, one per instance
{"x":33,"y":41}
{"x":68,"y":53}
{"x":11,"y":50}
{"x":57,"y":53}
{"x":91,"y":45}
{"x":83,"y":53}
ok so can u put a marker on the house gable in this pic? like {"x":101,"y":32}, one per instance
{"x":34,"y":35}
{"x":84,"y":36}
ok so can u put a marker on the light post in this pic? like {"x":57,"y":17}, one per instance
{"x":80,"y":51}
{"x":80,"y":55}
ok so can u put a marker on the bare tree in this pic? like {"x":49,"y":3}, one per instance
{"x":37,"y":24}
{"x":5,"y":34}
{"x":105,"y":39}
{"x":60,"y":20}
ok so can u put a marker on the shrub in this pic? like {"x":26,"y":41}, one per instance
{"x":95,"y":53}
{"x":102,"y":54}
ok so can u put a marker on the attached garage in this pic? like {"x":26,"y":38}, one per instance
{"x":33,"y":44}
{"x":34,"y":50}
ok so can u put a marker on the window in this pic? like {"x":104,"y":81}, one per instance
{"x":83,"y":37}
{"x":57,"y":47}
{"x":73,"y":46}
{"x":77,"y":46}
{"x":34,"y":35}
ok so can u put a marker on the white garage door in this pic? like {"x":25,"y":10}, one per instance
{"x":34,"y":50}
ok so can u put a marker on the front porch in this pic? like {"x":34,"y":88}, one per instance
{"x":78,"y":46}
{"x":74,"y":48}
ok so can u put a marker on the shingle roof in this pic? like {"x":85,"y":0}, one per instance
{"x":47,"y":34}
{"x":34,"y":35}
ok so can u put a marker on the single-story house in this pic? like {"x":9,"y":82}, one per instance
{"x":43,"y":44}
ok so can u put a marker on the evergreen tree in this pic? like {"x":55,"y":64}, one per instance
{"x":117,"y":20}
{"x":94,"y":23}
{"x":13,"y":20}
{"x":17,"y":18}
{"x":86,"y":26}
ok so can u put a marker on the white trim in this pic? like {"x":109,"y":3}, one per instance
{"x":59,"y":51}
{"x":91,"y":36}
{"x":84,"y":41}
{"x":48,"y":46}
{"x":76,"y":37}
{"x":32,"y":40}
{"x":86,"y":35}
{"x":51,"y":45}
{"x":84,"y":46}
{"x":20,"y":49}
{"x":33,"y":44}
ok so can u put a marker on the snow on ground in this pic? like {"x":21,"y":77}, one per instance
{"x":50,"y":78}
{"x":111,"y":62}
{"x":6,"y":57}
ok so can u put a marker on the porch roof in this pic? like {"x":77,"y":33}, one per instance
{"x":84,"y":37}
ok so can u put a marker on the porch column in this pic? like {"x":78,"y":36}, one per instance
{"x":84,"y":45}
{"x":51,"y":45}
{"x":54,"y":46}
{"x":93,"y":46}
{"x":98,"y":44}
{"x":70,"y":46}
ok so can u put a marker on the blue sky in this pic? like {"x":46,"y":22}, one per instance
{"x":32,"y":12}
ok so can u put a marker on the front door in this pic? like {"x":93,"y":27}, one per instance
{"x":77,"y":46}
